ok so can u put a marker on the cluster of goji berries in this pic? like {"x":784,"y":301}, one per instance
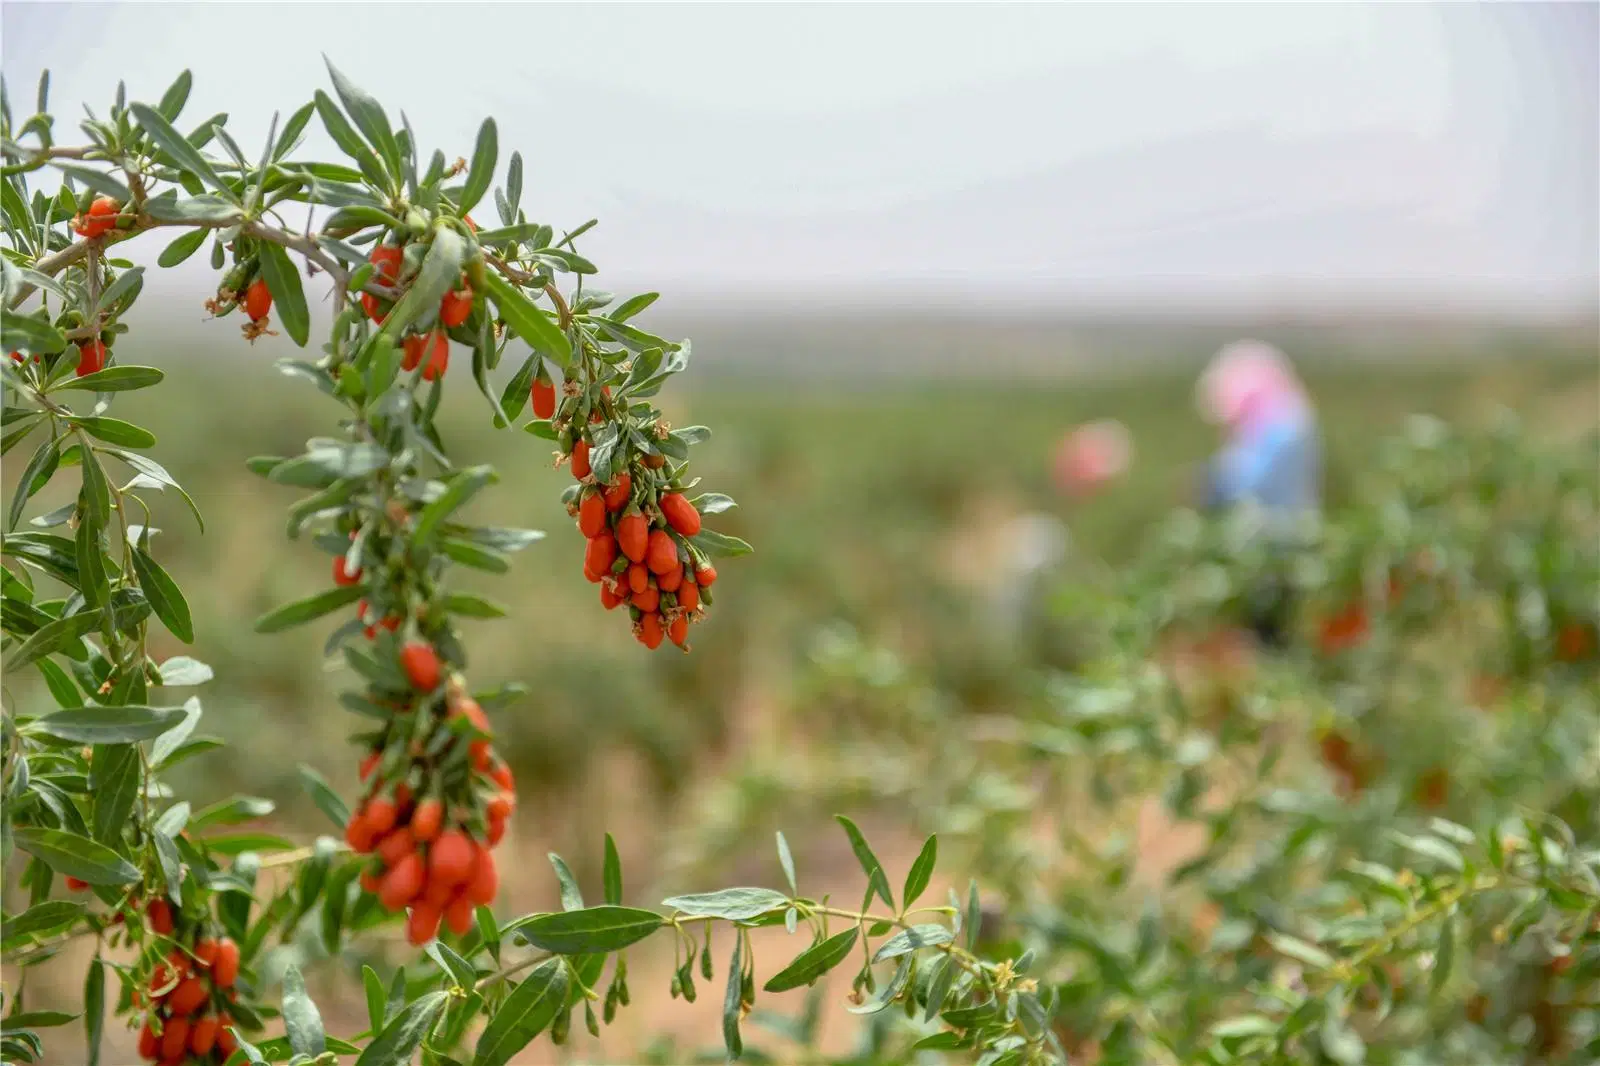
{"x":637,"y":549}
{"x":436,"y":805}
{"x":429,"y":348}
{"x":190,"y":994}
{"x":100,"y":218}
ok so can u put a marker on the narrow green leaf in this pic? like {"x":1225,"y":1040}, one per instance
{"x":466,"y":605}
{"x":368,"y":116}
{"x":76,"y":856}
{"x":39,"y":469}
{"x":908,"y":940}
{"x":288,"y":296}
{"x":169,"y":742}
{"x":114,"y":379}
{"x":733,"y":1001}
{"x":170,"y":141}
{"x":107,"y":725}
{"x":589,"y":931}
{"x":57,"y":636}
{"x":530,"y":1007}
{"x":377,"y":1000}
{"x":166,"y":599}
{"x":877,"y":881}
{"x":401,"y":1037}
{"x":460,"y":488}
{"x":301,"y":1021}
{"x":786,"y":860}
{"x":115,"y":431}
{"x":720,"y":544}
{"x":731,"y":904}
{"x":815,"y":961}
{"x":612,"y":873}
{"x":42,"y":919}
{"x":62,"y":688}
{"x":326,"y":799}
{"x":440,"y":272}
{"x":344,"y":135}
{"x":459,"y":969}
{"x":114,"y":779}
{"x":528,"y":322}
{"x":921,"y":872}
{"x":100,"y":181}
{"x":303,"y":611}
{"x":479,"y":177}
{"x":571,"y":895}
{"x":29,"y":334}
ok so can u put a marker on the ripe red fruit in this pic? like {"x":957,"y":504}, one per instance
{"x":649,"y":632}
{"x":226,"y":1041}
{"x":438,"y":357}
{"x":425,"y":822}
{"x":380,"y":814}
{"x":149,"y":1043}
{"x":592,"y":515}
{"x":175,"y":1039}
{"x":680,"y":513}
{"x":610,"y":599}
{"x":411,"y":352}
{"x":225,"y":971}
{"x":188,"y":996}
{"x":618,"y":491}
{"x":689,"y":596}
{"x":485,"y":883}
{"x":159,"y":914}
{"x":662,"y":554}
{"x":402,"y":884}
{"x":580,"y":460}
{"x":358,"y":834}
{"x":497,"y":829}
{"x":501,"y":775}
{"x":101,"y":216}
{"x":342,"y":574}
{"x":633,"y":536}
{"x":205,"y":953}
{"x":458,"y":915}
{"x":421,"y":664}
{"x":369,"y":763}
{"x":705,"y":576}
{"x":203,"y":1036}
{"x":600,"y":554}
{"x":396,"y":846}
{"x":500,"y":805}
{"x":371,"y":881}
{"x":543,"y":397}
{"x":386,"y":258}
{"x":678,"y":630}
{"x":450,"y":858}
{"x":638,"y":578}
{"x":91,"y":357}
{"x":648,"y":600}
{"x":258,"y":300}
{"x":672,"y":580}
{"x":76,"y":885}
{"x":423,"y":924}
{"x":455,"y":308}
{"x":1343,"y":630}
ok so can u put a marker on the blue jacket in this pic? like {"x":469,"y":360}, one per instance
{"x":1276,"y":463}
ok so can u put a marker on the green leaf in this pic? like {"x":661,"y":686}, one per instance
{"x":180,"y":671}
{"x":571,"y":895}
{"x":908,"y":940}
{"x":59,"y":635}
{"x":1244,"y":1025}
{"x":38,"y":1019}
{"x":612,"y":875}
{"x":288,"y":297}
{"x":326,"y":799}
{"x":175,"y":97}
{"x":1432,"y":848}
{"x":515,"y":395}
{"x":114,"y":779}
{"x":115,"y":431}
{"x":720,"y":544}
{"x":62,"y":688}
{"x":440,"y":272}
{"x":459,"y":969}
{"x":182,"y":248}
{"x":732,"y":904}
{"x":530,"y":1007}
{"x":170,"y":141}
{"x":1444,"y":956}
{"x":114,"y":379}
{"x":51,"y":916}
{"x":368,"y":116}
{"x":921,"y":872}
{"x":786,"y":860}
{"x":107,"y":725}
{"x":709,"y":503}
{"x":400,"y":1038}
{"x":303,"y":611}
{"x":733,"y":1001}
{"x":460,"y":488}
{"x":592,"y":930}
{"x":891,"y":991}
{"x":76,"y":856}
{"x":154,"y":470}
{"x":468,"y":554}
{"x":815,"y":961}
{"x":231,"y":811}
{"x":1300,"y":950}
{"x":484,"y":156}
{"x":39,"y":469}
{"x":301,"y":1022}
{"x":170,"y":741}
{"x":344,"y":135}
{"x":377,"y":999}
{"x":877,"y":881}
{"x":632,"y":306}
{"x":466,"y":605}
{"x":101,"y":182}
{"x":29,"y":334}
{"x":528,"y":322}
{"x":166,"y":599}
{"x":94,"y":1010}
{"x":208,"y":209}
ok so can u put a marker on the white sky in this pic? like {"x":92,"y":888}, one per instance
{"x":1035,"y":153}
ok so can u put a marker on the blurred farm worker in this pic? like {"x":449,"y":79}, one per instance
{"x":1091,"y":456}
{"x":1272,"y":459}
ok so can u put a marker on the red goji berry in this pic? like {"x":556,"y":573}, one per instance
{"x":421,"y":664}
{"x":450,"y":858}
{"x":648,"y":630}
{"x":592,"y":515}
{"x":458,"y":915}
{"x":680,"y":513}
{"x":188,"y":996}
{"x":425,"y":822}
{"x":91,"y":358}
{"x":225,"y":971}
{"x":455,"y":308}
{"x":402,"y":884}
{"x":580,"y":460}
{"x":648,"y":600}
{"x":662,"y":554}
{"x":101,"y":216}
{"x":423,"y":924}
{"x":258,"y":300}
{"x":396,"y":846}
{"x":543,"y":397}
{"x":678,"y":629}
{"x":203,"y":1035}
{"x":175,"y":1039}
{"x":159,"y":914}
{"x":618,"y":491}
{"x":705,"y":576}
{"x":485,"y":883}
{"x":600,"y":554}
{"x":633,"y":536}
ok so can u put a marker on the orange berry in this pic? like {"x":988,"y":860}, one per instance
{"x":662,"y":554}
{"x":402,"y":884}
{"x":580,"y":460}
{"x":680,"y":513}
{"x":380,"y":815}
{"x":638,"y":578}
{"x":648,"y":600}
{"x":618,"y":491}
{"x":162,"y":981}
{"x":500,"y":805}
{"x":159,"y":914}
{"x":481,"y":754}
{"x":175,"y":1038}
{"x":633,"y":536}
{"x":438,"y":895}
{"x":258,"y":300}
{"x":411,"y":352}
{"x":592,"y":515}
{"x":678,"y":630}
{"x":599,"y":555}
{"x":423,"y":924}
{"x":149,"y":1043}
{"x":76,"y":885}
{"x":370,"y":763}
{"x":203,"y":1036}
{"x":609,"y":597}
{"x":438,"y":357}
{"x":543,"y":397}
{"x":101,"y":216}
{"x":648,"y":630}
{"x":188,"y":996}
{"x":91,"y":358}
{"x":226,"y":1041}
{"x":455,"y":308}
{"x":497,"y":830}
{"x":450,"y":858}
{"x":226,"y":969}
{"x":371,"y":881}
{"x":689,"y":596}
{"x":458,"y":915}
{"x":386,"y":258}
{"x":421,"y":664}
{"x":358,"y":834}
{"x":501,"y":775}
{"x":672,"y":580}
{"x":343,"y":576}
{"x":706,"y":576}
{"x":485,"y":883}
{"x":205,"y":953}
{"x":425,"y":822}
{"x":396,"y":846}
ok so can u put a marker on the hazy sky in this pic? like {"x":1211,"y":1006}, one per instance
{"x":977,"y":153}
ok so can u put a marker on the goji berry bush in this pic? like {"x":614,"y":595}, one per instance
{"x":1399,"y":860}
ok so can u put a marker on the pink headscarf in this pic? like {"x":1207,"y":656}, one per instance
{"x":1246,"y":382}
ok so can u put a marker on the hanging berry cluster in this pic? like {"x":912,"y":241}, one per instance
{"x":191,"y":994}
{"x":436,"y":803}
